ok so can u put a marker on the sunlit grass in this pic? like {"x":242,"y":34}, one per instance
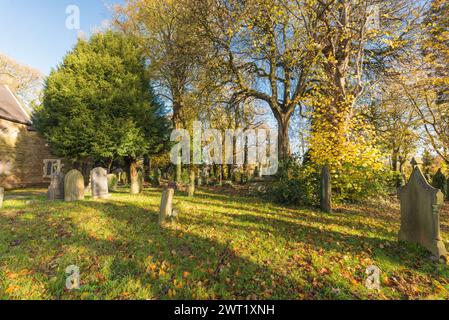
{"x":223,"y":247}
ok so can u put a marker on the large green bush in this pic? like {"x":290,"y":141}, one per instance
{"x":297,"y":184}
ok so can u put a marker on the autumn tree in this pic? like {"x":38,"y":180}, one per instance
{"x":26,"y":82}
{"x":266,"y":53}
{"x":164,"y":31}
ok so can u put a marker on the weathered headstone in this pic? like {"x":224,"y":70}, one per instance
{"x":99,"y":183}
{"x":56,"y":188}
{"x":2,"y":195}
{"x":420,"y":218}
{"x":112,"y":182}
{"x":140,"y":181}
{"x":73,"y":186}
{"x":166,"y":211}
{"x":326,"y":190}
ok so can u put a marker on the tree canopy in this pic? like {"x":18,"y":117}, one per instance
{"x":99,"y":103}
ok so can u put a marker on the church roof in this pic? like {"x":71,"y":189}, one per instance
{"x":10,"y":107}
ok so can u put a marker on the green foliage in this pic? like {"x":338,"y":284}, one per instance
{"x":356,"y":183}
{"x":99,"y":103}
{"x":439,"y":181}
{"x":155,"y":177}
{"x":297,"y":184}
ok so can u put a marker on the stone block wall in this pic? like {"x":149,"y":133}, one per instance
{"x":22,"y":153}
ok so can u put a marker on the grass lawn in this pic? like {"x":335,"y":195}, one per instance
{"x":223,"y":247}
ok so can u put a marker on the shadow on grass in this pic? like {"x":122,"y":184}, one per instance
{"x":123,"y":254}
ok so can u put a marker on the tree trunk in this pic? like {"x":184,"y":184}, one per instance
{"x":283,"y":121}
{"x":326,"y":190}
{"x":192,"y":176}
{"x":135,"y":189}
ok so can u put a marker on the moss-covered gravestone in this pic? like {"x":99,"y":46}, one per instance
{"x":99,"y":183}
{"x":112,"y":182}
{"x":420,"y":214}
{"x":73,"y":186}
{"x":56,"y":188}
{"x":2,"y":195}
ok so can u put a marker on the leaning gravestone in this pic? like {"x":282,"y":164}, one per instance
{"x":166,"y":205}
{"x":73,"y":186}
{"x":56,"y":188}
{"x":420,"y":218}
{"x":2,"y":195}
{"x":99,"y":183}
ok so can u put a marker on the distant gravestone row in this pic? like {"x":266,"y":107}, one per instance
{"x":420,"y":213}
{"x":71,"y":187}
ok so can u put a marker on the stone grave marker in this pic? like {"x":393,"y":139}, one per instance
{"x":112,"y":182}
{"x":73,"y":186}
{"x":166,"y":212}
{"x":420,"y":213}
{"x":56,"y":188}
{"x":99,"y":183}
{"x":140,"y":180}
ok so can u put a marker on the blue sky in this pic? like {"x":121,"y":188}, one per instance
{"x":34,"y":33}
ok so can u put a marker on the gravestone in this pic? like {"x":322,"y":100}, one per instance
{"x":56,"y":188}
{"x":99,"y":183}
{"x":326,"y":190}
{"x":73,"y":186}
{"x":2,"y":195}
{"x":420,"y":217}
{"x":166,"y":211}
{"x":112,"y":182}
{"x":140,"y":181}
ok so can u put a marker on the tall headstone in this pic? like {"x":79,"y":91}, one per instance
{"x":56,"y":188}
{"x":166,"y":205}
{"x":2,"y":195}
{"x":73,"y":186}
{"x":326,"y":190}
{"x":99,"y":183}
{"x":420,"y":213}
{"x":140,"y":181}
